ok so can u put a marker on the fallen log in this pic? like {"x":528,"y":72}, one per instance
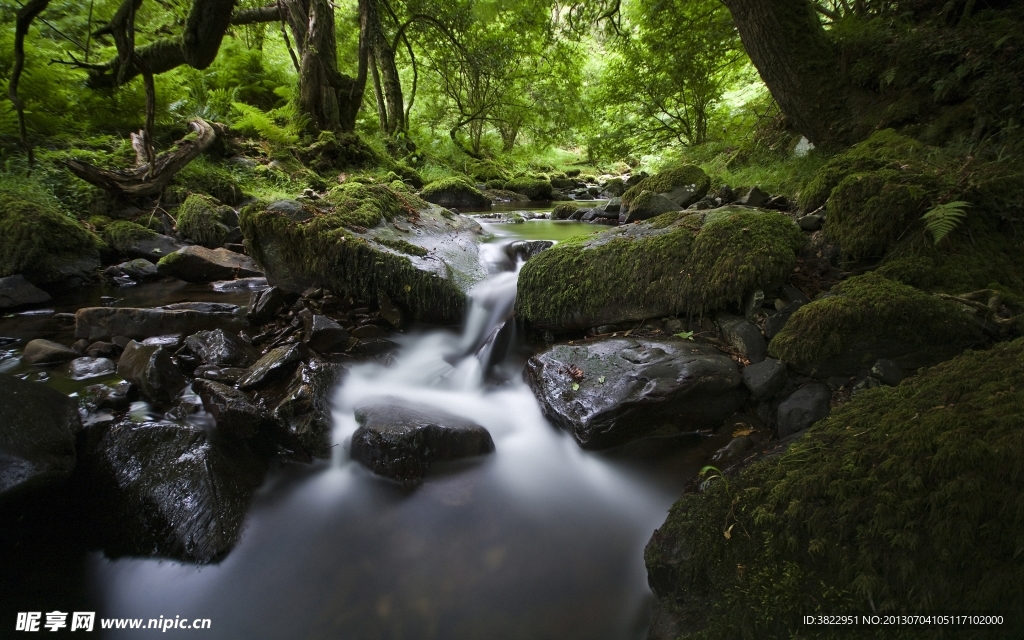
{"x":140,"y":181}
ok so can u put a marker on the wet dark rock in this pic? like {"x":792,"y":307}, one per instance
{"x":220,"y":348}
{"x":293,"y":209}
{"x":608,"y":392}
{"x":325,"y":335}
{"x":204,"y":307}
{"x":169,"y":490}
{"x":266,"y":304}
{"x":234,"y":411}
{"x":241,"y":284}
{"x":523,"y":250}
{"x":368,"y":332}
{"x":388,"y":310}
{"x":227,"y":375}
{"x":401,"y":443}
{"x":153,"y":248}
{"x":85,"y":368}
{"x":41,"y":351}
{"x":16,"y":291}
{"x":138,"y":269}
{"x":103,"y":323}
{"x":645,"y":208}
{"x":97,"y":397}
{"x":807,"y":405}
{"x":744,"y":336}
{"x":865,"y":383}
{"x":754,"y":198}
{"x":102,"y":349}
{"x":37,"y":436}
{"x":765,"y":378}
{"x":151,"y":369}
{"x":373,"y":348}
{"x":776,"y":321}
{"x":302,"y":414}
{"x":276,"y":364}
{"x":199,"y":264}
{"x":120,"y":341}
{"x":171,"y":341}
{"x":888,"y":372}
{"x":779,"y":203}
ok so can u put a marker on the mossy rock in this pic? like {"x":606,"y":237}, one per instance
{"x":614,"y":187}
{"x":868,"y":212}
{"x":455,"y":192}
{"x":374,"y":239}
{"x":675,"y":263}
{"x":409,"y":175}
{"x":682,"y":185}
{"x":203,"y":176}
{"x":906,"y":500}
{"x":122,"y":235}
{"x":564,"y":211}
{"x":869,"y":317}
{"x":533,"y":187}
{"x":487,"y":170}
{"x":40,"y":241}
{"x":202,"y":220}
{"x":883,"y":149}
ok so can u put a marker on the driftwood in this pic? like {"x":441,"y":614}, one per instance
{"x":140,"y":181}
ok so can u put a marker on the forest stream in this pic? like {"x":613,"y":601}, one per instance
{"x":540,"y":540}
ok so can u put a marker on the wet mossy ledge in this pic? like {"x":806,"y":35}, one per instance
{"x":40,"y":241}
{"x":870,"y":316}
{"x":202,"y":220}
{"x":366,"y":239}
{"x":677,"y":263}
{"x":905,"y":501}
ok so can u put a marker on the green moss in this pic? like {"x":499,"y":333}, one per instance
{"x":123,"y":234}
{"x":564,"y":210}
{"x":667,"y":265}
{"x":616,"y":187}
{"x":36,"y":236}
{"x":204,"y":176}
{"x":409,"y":175}
{"x":200,"y":220}
{"x":665,"y":181}
{"x":534,"y":188}
{"x":871,"y":308}
{"x":324,"y":248}
{"x":487,"y":170}
{"x":495,"y":184}
{"x":403,"y":246}
{"x":884,"y":148}
{"x":868,"y":212}
{"x":906,"y":500}
{"x":451,"y":185}
{"x":364,"y":206}
{"x":735,"y":254}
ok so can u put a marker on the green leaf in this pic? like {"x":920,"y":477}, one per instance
{"x":685,"y":335}
{"x":600,"y":380}
{"x":575,"y":386}
{"x":942,"y":219}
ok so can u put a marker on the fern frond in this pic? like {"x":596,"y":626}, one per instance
{"x":943,"y":219}
{"x":254,"y":121}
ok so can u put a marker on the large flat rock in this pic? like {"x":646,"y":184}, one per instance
{"x":423,"y":257}
{"x":609,"y":392}
{"x":199,"y":264}
{"x":103,"y":323}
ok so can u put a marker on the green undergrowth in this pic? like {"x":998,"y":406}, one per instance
{"x":36,"y":234}
{"x":202,"y":220}
{"x":206,"y":176}
{"x":669,"y":264}
{"x":871,"y":308}
{"x":907,"y":500}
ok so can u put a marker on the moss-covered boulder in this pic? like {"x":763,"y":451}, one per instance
{"x":203,"y":221}
{"x":122,"y":235}
{"x":679,"y":187}
{"x":40,"y":241}
{"x":905,"y":501}
{"x":884,"y":149}
{"x":564,"y":211}
{"x":676,"y":263}
{"x":869,"y":317}
{"x":204,"y":176}
{"x":533,"y":187}
{"x":369,"y":239}
{"x":455,"y":192}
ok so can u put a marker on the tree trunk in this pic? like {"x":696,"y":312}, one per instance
{"x":391,"y":84}
{"x":327,"y":97}
{"x":798,"y":63}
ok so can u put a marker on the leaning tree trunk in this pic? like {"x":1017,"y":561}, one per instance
{"x":327,"y":97}
{"x":799,"y":65}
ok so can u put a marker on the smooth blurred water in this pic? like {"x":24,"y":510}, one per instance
{"x":538,"y":540}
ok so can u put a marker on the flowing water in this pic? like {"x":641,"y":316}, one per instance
{"x":538,"y":540}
